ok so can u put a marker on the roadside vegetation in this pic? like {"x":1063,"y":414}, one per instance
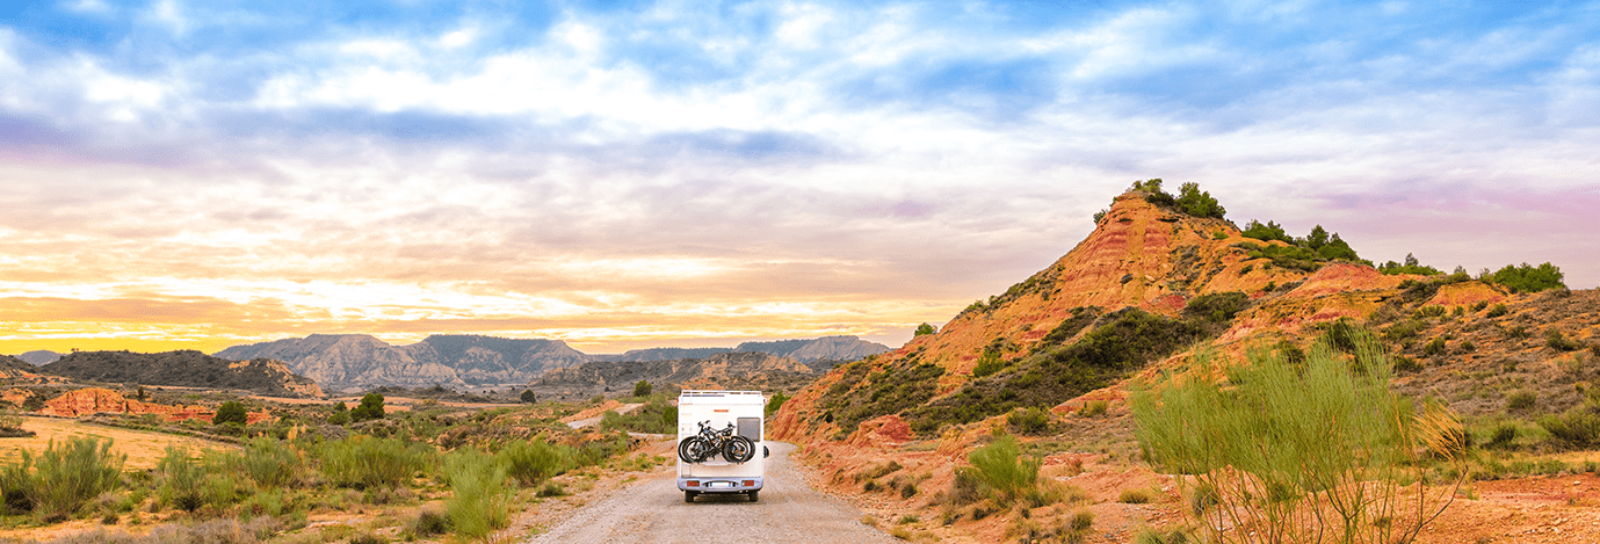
{"x":414,"y":475}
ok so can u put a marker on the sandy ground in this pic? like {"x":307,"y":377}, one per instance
{"x":143,"y":448}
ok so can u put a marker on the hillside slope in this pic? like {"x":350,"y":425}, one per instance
{"x":185,"y":368}
{"x":741,"y":370}
{"x":1148,"y":284}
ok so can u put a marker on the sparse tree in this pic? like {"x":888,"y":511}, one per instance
{"x":528,"y":397}
{"x":641,"y":389}
{"x":924,"y":329}
{"x":371,"y":408}
{"x":231,"y":412}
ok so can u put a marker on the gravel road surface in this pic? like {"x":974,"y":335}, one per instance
{"x":652,"y":510}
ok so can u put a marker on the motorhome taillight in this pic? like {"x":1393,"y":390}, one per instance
{"x":692,"y":483}
{"x":749,"y":483}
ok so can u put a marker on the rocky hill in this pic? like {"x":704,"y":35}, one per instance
{"x":1153,"y":281}
{"x":185,"y":368}
{"x":745,"y":370}
{"x":661,"y":354}
{"x":827,"y":348}
{"x":357,"y":361}
{"x":13,"y":368}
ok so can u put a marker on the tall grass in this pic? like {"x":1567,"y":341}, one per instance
{"x":269,"y":462}
{"x":1002,"y":466}
{"x":181,"y":477}
{"x":64,"y":477}
{"x":480,"y":500}
{"x":535,"y":461}
{"x":1316,"y":452}
{"x":363,"y":462}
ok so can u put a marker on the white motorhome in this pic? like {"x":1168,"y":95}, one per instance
{"x":745,"y":411}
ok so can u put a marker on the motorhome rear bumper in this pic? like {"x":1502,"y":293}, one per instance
{"x":722,"y":484}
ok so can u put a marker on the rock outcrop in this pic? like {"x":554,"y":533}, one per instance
{"x":94,"y":400}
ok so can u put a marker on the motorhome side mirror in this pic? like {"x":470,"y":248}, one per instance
{"x":765,"y":452}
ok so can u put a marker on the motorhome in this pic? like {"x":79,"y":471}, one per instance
{"x":742,"y":413}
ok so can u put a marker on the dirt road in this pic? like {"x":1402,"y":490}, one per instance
{"x":652,"y":510}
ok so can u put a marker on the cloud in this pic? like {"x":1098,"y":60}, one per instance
{"x":629,"y":170}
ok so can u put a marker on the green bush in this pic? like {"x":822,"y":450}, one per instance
{"x":371,"y":408}
{"x":1497,"y":311}
{"x":926,"y":329}
{"x":535,"y":461}
{"x":181,"y":477}
{"x":1503,"y":435}
{"x":988,"y":364}
{"x":1553,"y":339}
{"x":1577,"y":428}
{"x":1002,"y":467}
{"x":269,"y":462}
{"x":1434,"y":347}
{"x":480,"y":501}
{"x":65,"y":477}
{"x":642,"y":389}
{"x":363,"y":462}
{"x":1263,"y":441}
{"x":776,"y":402}
{"x":1528,"y":279}
{"x":231,"y":412}
{"x":1521,"y":401}
{"x":1197,"y":203}
{"x":1029,"y":421}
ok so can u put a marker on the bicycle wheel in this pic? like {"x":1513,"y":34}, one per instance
{"x":692,"y":450}
{"x":738,"y":449}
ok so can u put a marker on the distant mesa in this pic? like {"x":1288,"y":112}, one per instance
{"x":40,"y":357}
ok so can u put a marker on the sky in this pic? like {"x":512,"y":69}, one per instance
{"x":194,"y":175}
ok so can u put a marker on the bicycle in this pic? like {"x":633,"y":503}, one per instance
{"x":709,"y":442}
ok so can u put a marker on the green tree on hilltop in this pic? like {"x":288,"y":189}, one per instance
{"x":924,"y":329}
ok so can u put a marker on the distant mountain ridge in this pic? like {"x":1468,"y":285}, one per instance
{"x":343,"y":362}
{"x":185,"y":368}
{"x":728,"y":370}
{"x":827,"y":348}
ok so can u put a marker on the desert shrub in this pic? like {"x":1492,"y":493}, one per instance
{"x":528,"y":397}
{"x":1528,"y":279}
{"x":1029,"y":421}
{"x":65,"y":477}
{"x":776,"y":402}
{"x":1576,"y":428}
{"x":1553,"y":339}
{"x":642,"y":389}
{"x":1094,"y":408}
{"x":180,"y":477}
{"x":925,"y":329}
{"x":1410,"y":266}
{"x":1520,"y":401}
{"x":361,"y":462}
{"x":1135,"y":496}
{"x":1503,"y":435}
{"x":231,"y":412}
{"x":430,"y":522}
{"x":1262,"y":442}
{"x":371,"y":408}
{"x":1434,"y":347}
{"x":988,"y":364}
{"x":480,"y":501}
{"x":535,"y":461}
{"x":1217,"y":307}
{"x":11,"y":425}
{"x":1406,"y":364}
{"x":269,"y":462}
{"x":1497,"y":311}
{"x":1270,"y":231}
{"x":1003,"y":468}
